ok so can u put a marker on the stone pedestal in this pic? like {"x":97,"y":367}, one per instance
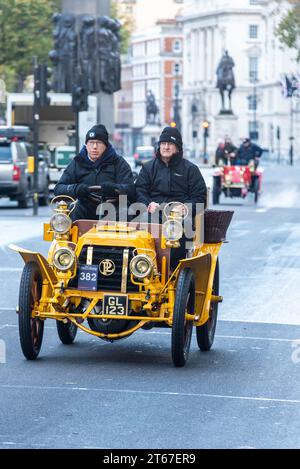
{"x":86,"y":7}
{"x":105,"y":113}
{"x":227,"y":124}
{"x":151,"y":133}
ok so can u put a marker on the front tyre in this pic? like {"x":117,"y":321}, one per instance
{"x":182,"y":329}
{"x":66,"y":332}
{"x":31,"y":329}
{"x":206,"y":332}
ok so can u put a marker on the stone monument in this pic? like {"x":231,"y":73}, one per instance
{"x":94,"y":8}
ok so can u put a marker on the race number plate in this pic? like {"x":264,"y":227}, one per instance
{"x":88,"y":277}
{"x":115,"y":305}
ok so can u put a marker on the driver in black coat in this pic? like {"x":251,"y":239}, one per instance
{"x":97,"y":164}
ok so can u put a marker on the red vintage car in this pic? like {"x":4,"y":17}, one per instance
{"x":237,"y":181}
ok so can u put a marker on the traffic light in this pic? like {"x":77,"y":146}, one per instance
{"x":42,"y":85}
{"x":45,"y":85}
{"x":79,"y":98}
{"x":205,"y":126}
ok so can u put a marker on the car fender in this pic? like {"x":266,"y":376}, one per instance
{"x":201,"y":267}
{"x":30,"y":256}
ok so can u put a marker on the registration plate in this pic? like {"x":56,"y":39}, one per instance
{"x":88,"y":277}
{"x":115,"y":305}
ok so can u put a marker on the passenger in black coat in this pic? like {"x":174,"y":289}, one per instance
{"x":171,"y":178}
{"x":248,"y":151}
{"x":97,"y":164}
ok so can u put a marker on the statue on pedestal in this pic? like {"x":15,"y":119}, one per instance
{"x":151,"y":108}
{"x":226,"y":81}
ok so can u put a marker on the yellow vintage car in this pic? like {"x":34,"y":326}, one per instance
{"x":112,"y":278}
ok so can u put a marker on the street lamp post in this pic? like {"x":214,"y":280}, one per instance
{"x":254,"y":81}
{"x":291,"y":133}
{"x":176,"y":109}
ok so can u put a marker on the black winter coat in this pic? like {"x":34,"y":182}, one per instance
{"x":245,"y":154}
{"x":180,"y":181}
{"x":110,"y":168}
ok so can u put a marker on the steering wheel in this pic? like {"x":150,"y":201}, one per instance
{"x":94,"y":194}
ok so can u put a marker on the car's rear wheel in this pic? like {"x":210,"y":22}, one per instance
{"x":216,"y":190}
{"x":182,"y":329}
{"x":31,"y":329}
{"x":206,"y":332}
{"x":66,"y":332}
{"x":24,"y":202}
{"x":256,"y":190}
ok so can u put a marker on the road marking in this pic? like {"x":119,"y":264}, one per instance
{"x":158,"y":393}
{"x":273,"y":339}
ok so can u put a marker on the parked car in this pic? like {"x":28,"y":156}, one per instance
{"x":143,"y":154}
{"x":61,"y":157}
{"x":15,"y":180}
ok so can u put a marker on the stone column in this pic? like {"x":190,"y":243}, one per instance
{"x":95,"y":8}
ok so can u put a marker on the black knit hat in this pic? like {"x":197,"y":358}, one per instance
{"x":97,"y":132}
{"x":172,"y":135}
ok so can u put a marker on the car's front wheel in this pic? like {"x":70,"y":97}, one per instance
{"x":31,"y":329}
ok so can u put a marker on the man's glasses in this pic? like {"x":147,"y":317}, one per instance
{"x":94,"y":143}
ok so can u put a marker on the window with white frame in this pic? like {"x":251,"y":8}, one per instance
{"x":153,"y":68}
{"x":177,"y":69}
{"x":253,"y":68}
{"x":177,"y":90}
{"x":139,"y":70}
{"x":177,"y":45}
{"x":139,"y":91}
{"x":153,"y":47}
{"x":253,"y":127}
{"x":253,"y":31}
{"x":138,"y":49}
{"x":252,"y":103}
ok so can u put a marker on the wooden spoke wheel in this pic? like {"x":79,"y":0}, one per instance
{"x":206,"y":332}
{"x":182,"y":330}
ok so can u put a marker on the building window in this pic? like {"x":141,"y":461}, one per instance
{"x":252,"y":103}
{"x":177,"y":46}
{"x":253,"y":69}
{"x":254,"y":130}
{"x":177,"y":69}
{"x":177,"y":90}
{"x":254,"y":2}
{"x":253,"y":31}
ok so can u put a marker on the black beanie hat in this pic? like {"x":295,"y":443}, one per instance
{"x":172,"y":135}
{"x":97,"y":132}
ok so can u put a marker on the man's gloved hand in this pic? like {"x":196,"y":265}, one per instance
{"x":108,"y":189}
{"x":82,"y":191}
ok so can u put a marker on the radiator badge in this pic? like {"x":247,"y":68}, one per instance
{"x":107,"y":267}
